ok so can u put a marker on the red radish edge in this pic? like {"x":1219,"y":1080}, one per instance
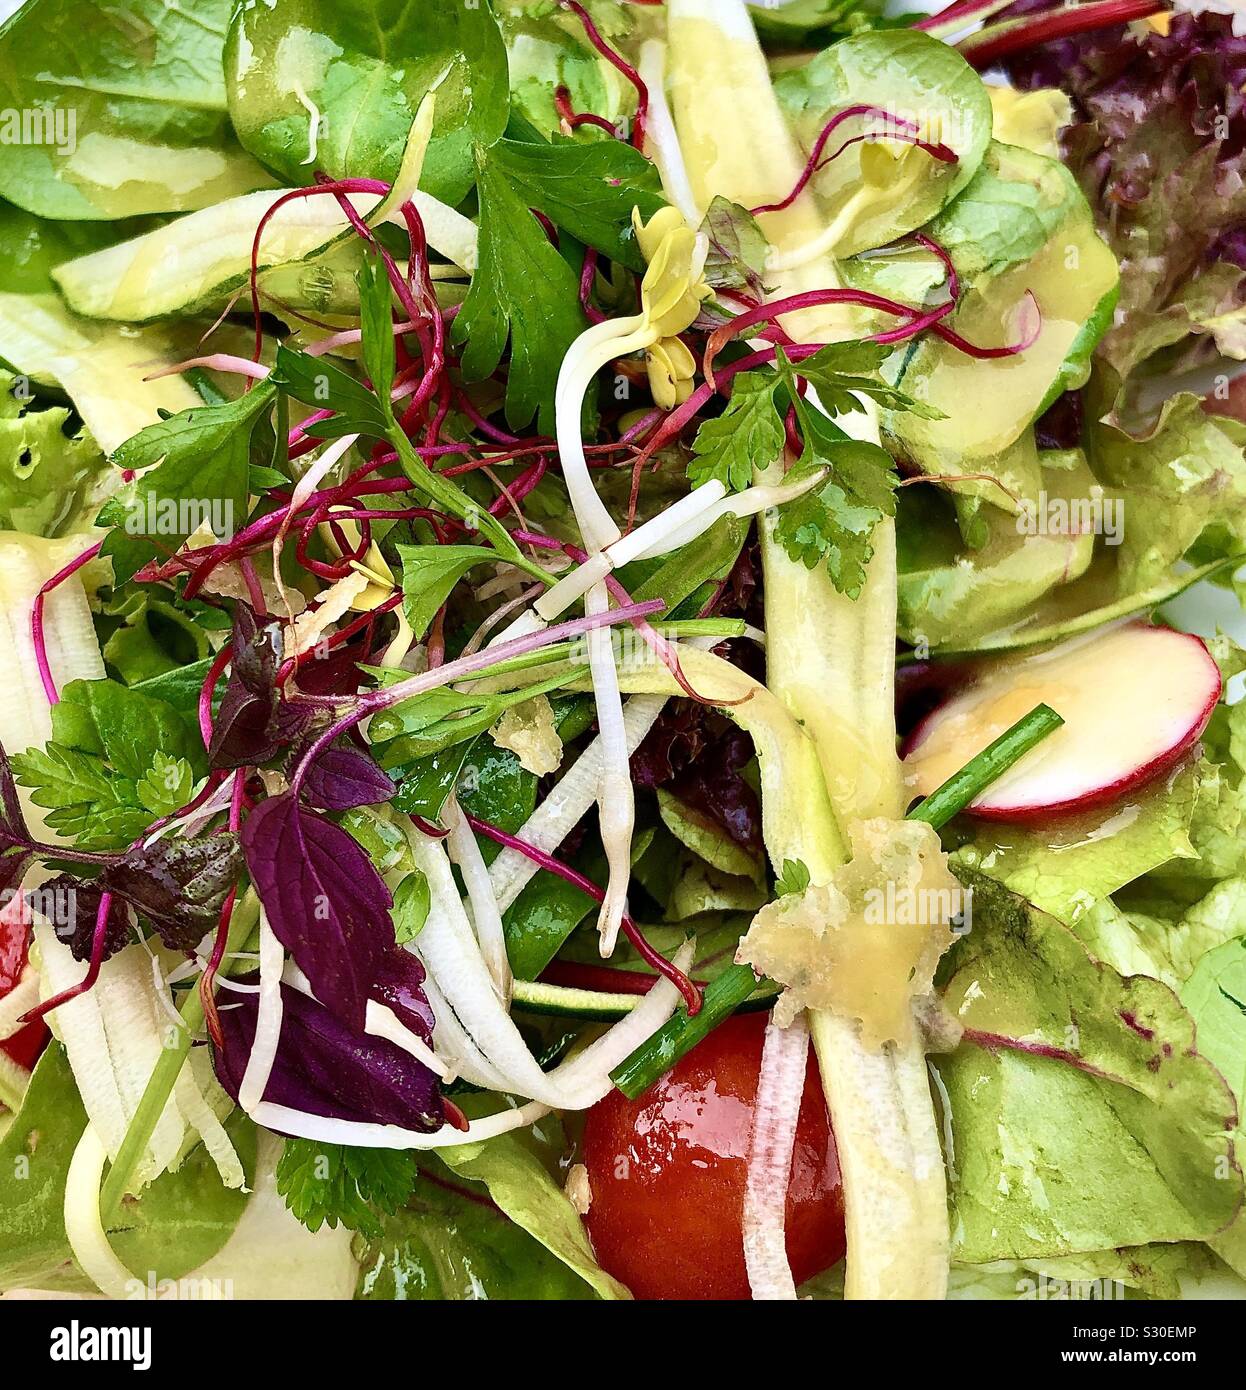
{"x":1100,"y":796}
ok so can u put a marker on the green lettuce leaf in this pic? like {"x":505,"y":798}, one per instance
{"x":182,"y":1219}
{"x":521,"y":1185}
{"x":336,"y":87}
{"x":1065,"y":870}
{"x":1072,"y":1086}
{"x":47,"y":473}
{"x":130,"y":106}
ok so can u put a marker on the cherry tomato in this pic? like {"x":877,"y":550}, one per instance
{"x":25,"y":1046}
{"x":668,"y":1173}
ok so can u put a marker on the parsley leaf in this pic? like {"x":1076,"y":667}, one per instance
{"x":166,"y":786}
{"x":201,"y":469}
{"x":748,"y":435}
{"x":833,"y":523}
{"x":839,"y":369}
{"x":343,"y":1186}
{"x":524,"y":293}
{"x":587,"y":188}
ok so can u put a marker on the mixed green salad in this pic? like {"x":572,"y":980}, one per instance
{"x":611,"y":672}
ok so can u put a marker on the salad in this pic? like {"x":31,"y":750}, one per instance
{"x":618,"y":637}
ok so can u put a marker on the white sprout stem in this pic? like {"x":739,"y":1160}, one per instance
{"x":303,"y":489}
{"x":662,"y":141}
{"x":458,"y":1051}
{"x":574,"y":585}
{"x":465,"y":852}
{"x":677,"y":526}
{"x":372,"y":1136}
{"x":84,"y":1227}
{"x":268,"y":1018}
{"x":760,"y":498}
{"x":459,"y":988}
{"x":780,"y":1086}
{"x":594,"y":349}
{"x":616,"y":800}
{"x":573,"y":795}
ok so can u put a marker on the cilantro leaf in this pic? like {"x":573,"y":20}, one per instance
{"x":524,"y":293}
{"x":199,"y":462}
{"x":748,"y":435}
{"x":342,"y":1186}
{"x":587,"y":188}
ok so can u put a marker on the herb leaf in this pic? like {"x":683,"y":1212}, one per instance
{"x":747,"y":436}
{"x":839,"y":370}
{"x":178,"y":884}
{"x":793,"y":879}
{"x":325,"y":386}
{"x":523,"y":293}
{"x":429,"y":574}
{"x":326,"y":903}
{"x":105,"y":738}
{"x":201,"y":461}
{"x":337,"y":1185}
{"x":587,"y":188}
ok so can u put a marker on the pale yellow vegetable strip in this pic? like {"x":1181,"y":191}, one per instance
{"x":831,"y":662}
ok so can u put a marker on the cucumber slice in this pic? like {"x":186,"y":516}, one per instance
{"x":195,"y":263}
{"x":558,"y":1001}
{"x":1023,"y":225}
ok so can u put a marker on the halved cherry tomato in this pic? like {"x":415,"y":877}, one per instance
{"x":25,"y":1046}
{"x":668,"y":1172}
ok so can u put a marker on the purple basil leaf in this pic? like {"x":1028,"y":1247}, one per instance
{"x":246,"y":731}
{"x":400,"y":987}
{"x":325,"y":1067}
{"x":343,"y":777}
{"x":179,"y":884}
{"x":15,"y":838}
{"x":325,"y":902}
{"x":72,"y":906}
{"x":335,"y":673}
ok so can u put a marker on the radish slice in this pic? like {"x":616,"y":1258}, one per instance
{"x":1133,"y":699}
{"x":780,"y":1086}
